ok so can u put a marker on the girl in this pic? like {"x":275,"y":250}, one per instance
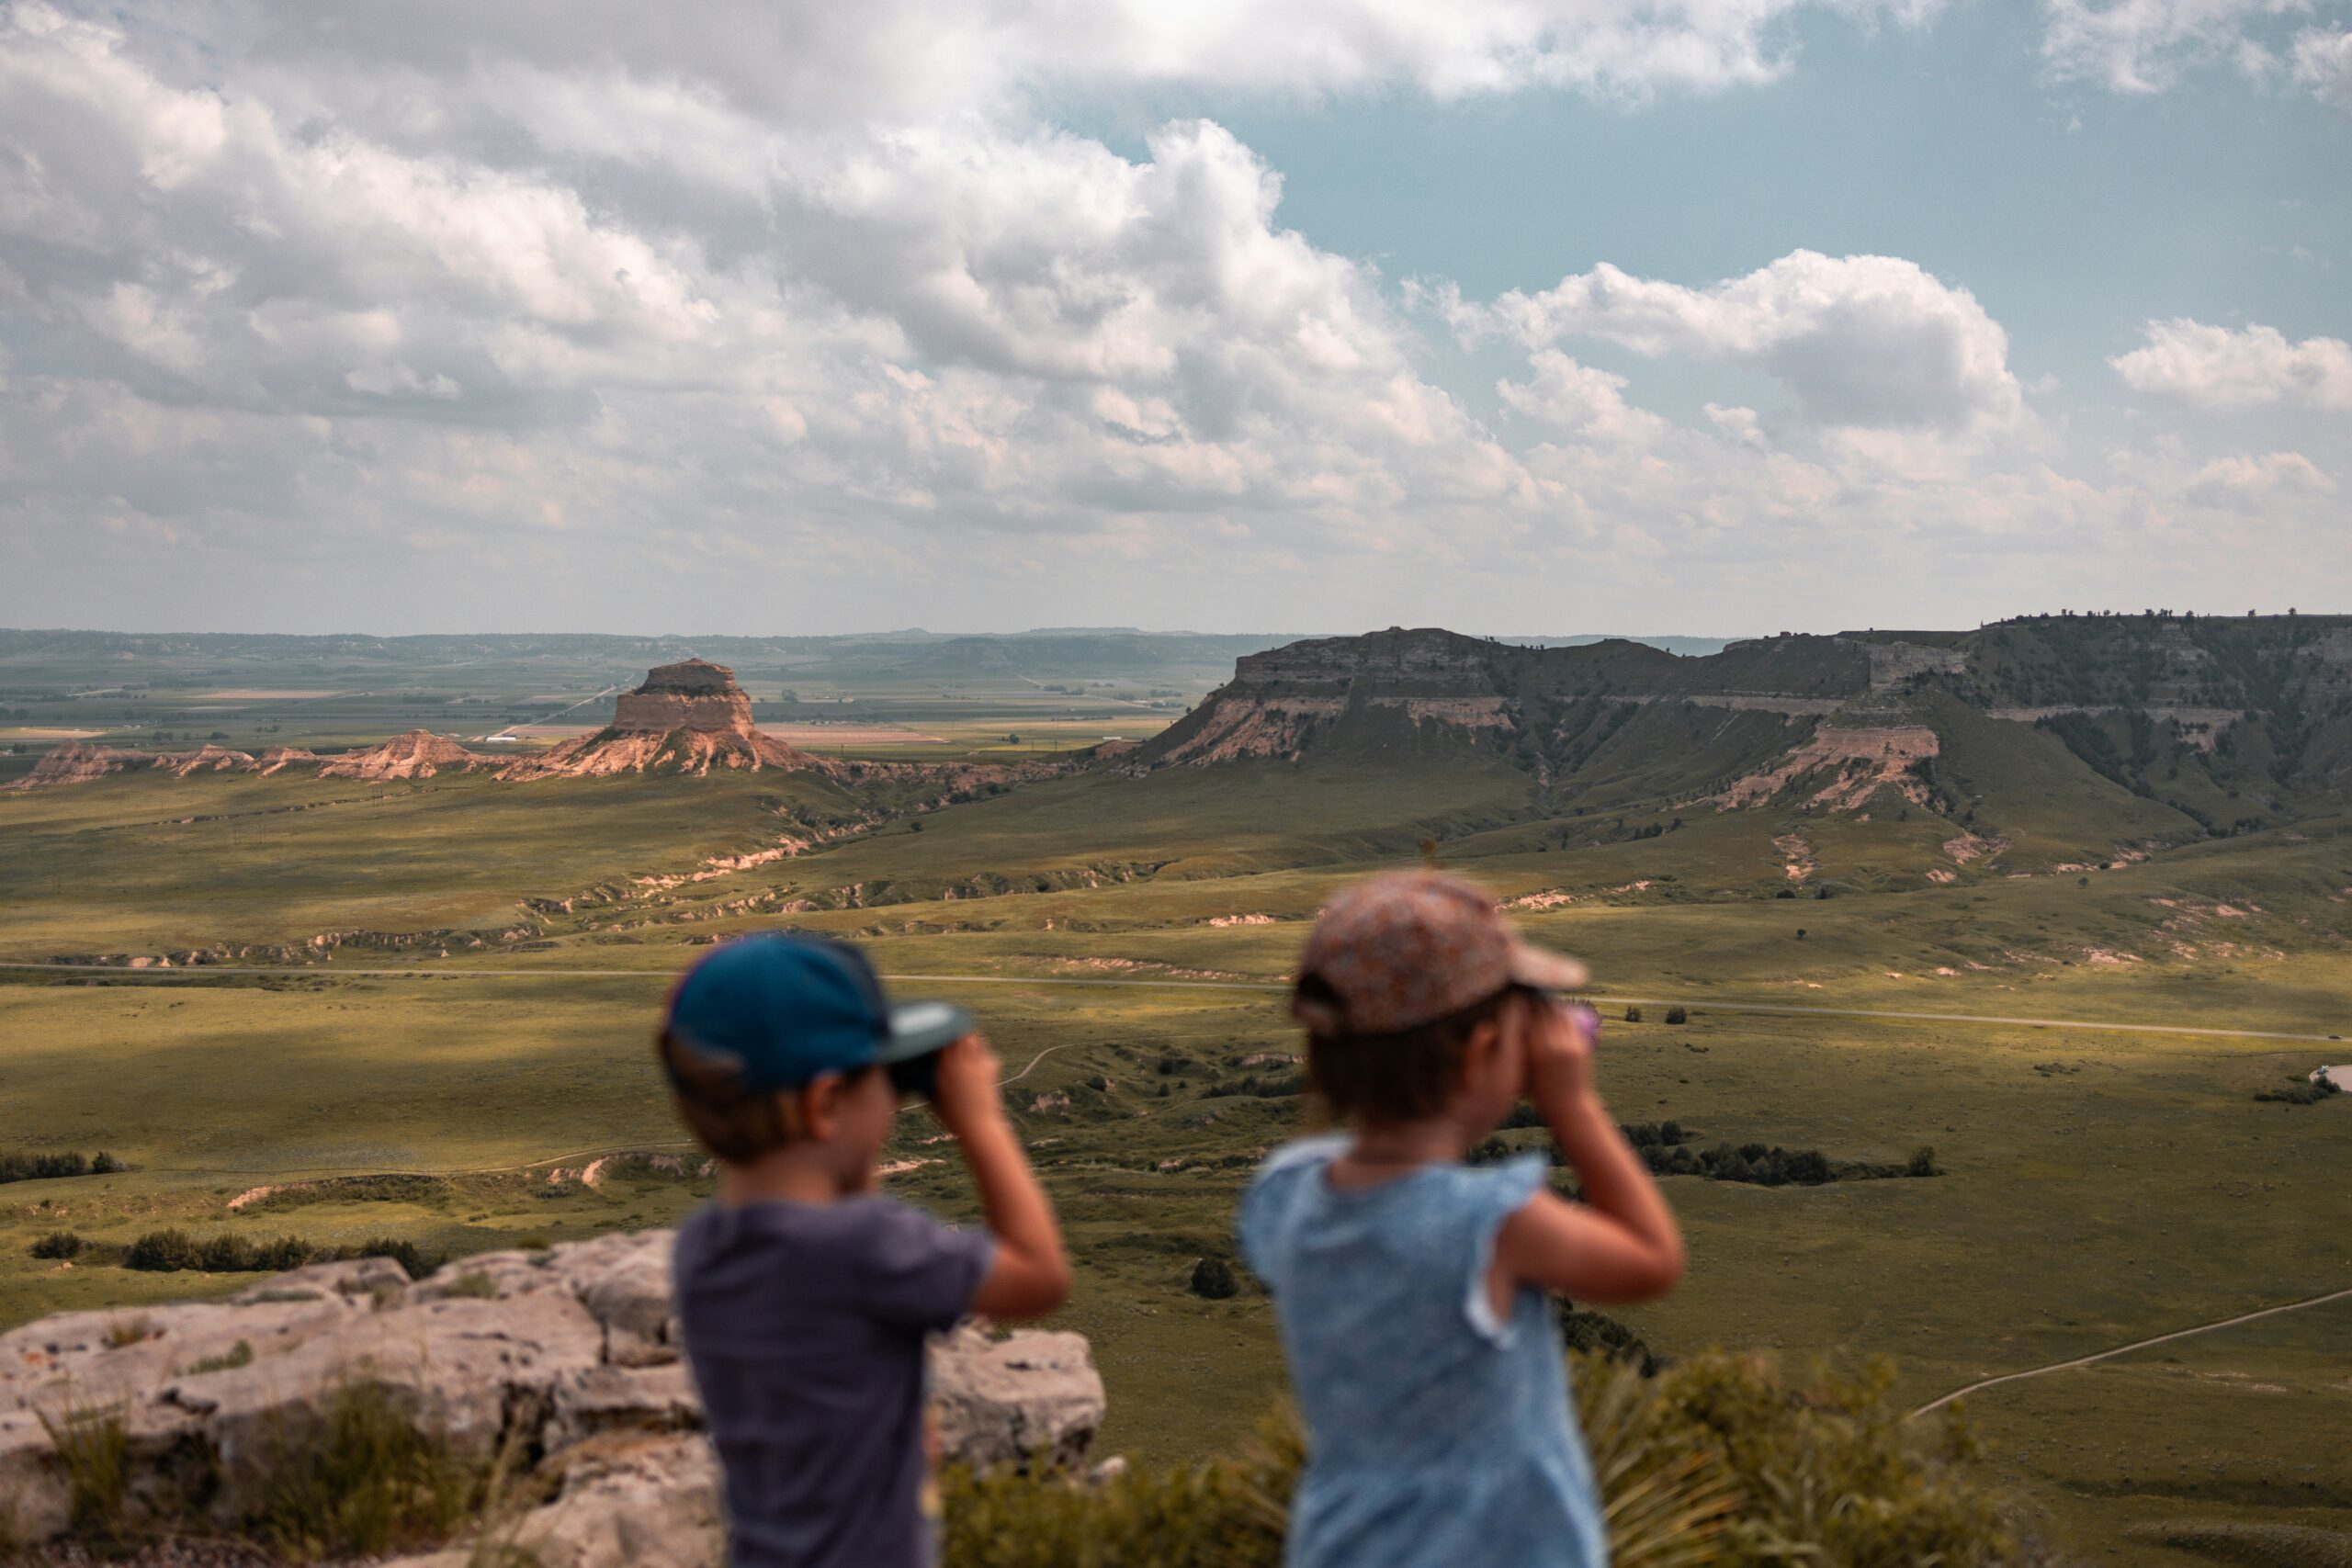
{"x":1412,"y":1288}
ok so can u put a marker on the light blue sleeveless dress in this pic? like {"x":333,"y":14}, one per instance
{"x":1439,"y":1437}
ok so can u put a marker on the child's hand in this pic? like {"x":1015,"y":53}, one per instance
{"x":966,"y":1095}
{"x":1559,"y":1055}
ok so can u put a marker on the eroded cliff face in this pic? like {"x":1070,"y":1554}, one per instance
{"x":1279,"y":700}
{"x":691,"y":695}
{"x":419,"y":754}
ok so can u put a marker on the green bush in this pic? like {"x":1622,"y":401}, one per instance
{"x":169,"y":1251}
{"x":163,"y":1252}
{"x":1212,"y":1279}
{"x":1717,"y":1460}
{"x":1677,"y":1015}
{"x":16,"y":1165}
{"x":60,"y":1243}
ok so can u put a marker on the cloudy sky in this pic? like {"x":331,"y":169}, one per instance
{"x":1546,"y":315}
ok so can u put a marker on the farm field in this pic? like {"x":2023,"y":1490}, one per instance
{"x":426,"y":1009}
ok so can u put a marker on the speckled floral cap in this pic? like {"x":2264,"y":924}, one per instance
{"x":1406,"y":948}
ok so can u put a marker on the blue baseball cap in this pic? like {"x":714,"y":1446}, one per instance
{"x":787,"y":1009}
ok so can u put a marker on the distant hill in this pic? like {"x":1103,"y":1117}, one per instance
{"x":1686,"y":646}
{"x":2142,"y":727}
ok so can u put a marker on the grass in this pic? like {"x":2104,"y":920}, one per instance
{"x":93,"y":1447}
{"x":365,"y":1479}
{"x":2098,"y":1186}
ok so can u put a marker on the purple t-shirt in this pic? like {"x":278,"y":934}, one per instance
{"x":804,"y":1325}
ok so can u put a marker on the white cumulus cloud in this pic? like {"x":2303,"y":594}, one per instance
{"x":1859,"y":341}
{"x":2237,"y":367}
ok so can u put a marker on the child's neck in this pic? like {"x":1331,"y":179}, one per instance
{"x":797,"y":1173}
{"x":1377,"y":1154}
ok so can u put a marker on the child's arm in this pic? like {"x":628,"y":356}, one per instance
{"x":1620,"y":1244}
{"x":1029,"y":1276}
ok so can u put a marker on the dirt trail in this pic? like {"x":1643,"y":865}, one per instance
{"x":1935,"y":1404}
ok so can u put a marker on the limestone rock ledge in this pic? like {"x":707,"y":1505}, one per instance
{"x":568,"y":1357}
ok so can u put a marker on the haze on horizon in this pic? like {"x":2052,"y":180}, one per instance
{"x":797,"y":320}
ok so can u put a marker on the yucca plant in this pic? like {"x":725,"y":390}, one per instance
{"x":1668,"y":1500}
{"x":93,"y":1446}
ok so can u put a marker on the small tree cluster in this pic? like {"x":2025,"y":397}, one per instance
{"x":171,"y":1251}
{"x":1765,"y":1166}
{"x":16,"y":1165}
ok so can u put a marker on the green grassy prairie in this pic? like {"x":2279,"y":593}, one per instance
{"x":1122,"y":939}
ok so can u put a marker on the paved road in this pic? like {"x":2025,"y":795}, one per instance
{"x":1935,"y":1404}
{"x":1702,"y":1004}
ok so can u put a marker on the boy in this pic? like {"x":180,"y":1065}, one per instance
{"x":804,"y":1294}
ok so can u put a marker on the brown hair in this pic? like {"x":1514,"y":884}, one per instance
{"x":732,"y":1120}
{"x":1387,"y":1079}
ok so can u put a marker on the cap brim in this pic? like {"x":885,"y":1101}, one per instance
{"x":1547,"y":971}
{"x":917,"y":1029}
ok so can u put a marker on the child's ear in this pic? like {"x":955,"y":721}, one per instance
{"x":817,"y":1107}
{"x":1478,"y":1050}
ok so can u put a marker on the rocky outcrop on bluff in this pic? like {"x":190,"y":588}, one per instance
{"x":565,"y":1359}
{"x":76,"y":763}
{"x":687,"y":717}
{"x":419,"y":754}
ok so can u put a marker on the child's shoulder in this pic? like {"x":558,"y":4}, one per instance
{"x":1297,"y":1159}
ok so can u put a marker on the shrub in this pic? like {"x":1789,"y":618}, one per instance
{"x":1212,"y":1280}
{"x":16,"y":1165}
{"x":1677,"y":1015}
{"x":1719,"y":1458}
{"x":2302,"y":1091}
{"x":1922,"y":1162}
{"x":60,"y":1243}
{"x":163,"y":1252}
{"x":1633,"y":1015}
{"x":476,"y":1284}
{"x":1599,"y":1335}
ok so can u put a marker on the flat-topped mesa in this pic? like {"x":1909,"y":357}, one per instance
{"x":686,"y":718}
{"x":691,"y":694}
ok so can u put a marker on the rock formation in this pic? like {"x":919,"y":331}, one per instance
{"x":77,"y":762}
{"x":687,"y":717}
{"x":419,"y":754}
{"x":571,"y":1353}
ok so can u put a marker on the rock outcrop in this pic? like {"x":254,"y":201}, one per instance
{"x":687,"y":717}
{"x":79,"y":762}
{"x":568,"y":1358}
{"x":419,"y":754}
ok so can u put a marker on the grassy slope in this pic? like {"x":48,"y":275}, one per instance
{"x":120,"y":866}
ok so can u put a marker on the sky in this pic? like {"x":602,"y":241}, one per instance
{"x":1553,"y":316}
